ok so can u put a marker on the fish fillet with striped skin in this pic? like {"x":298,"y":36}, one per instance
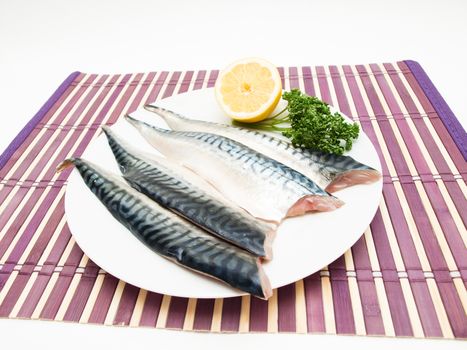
{"x":158,"y":180}
{"x":331,"y":172}
{"x":264,"y":187}
{"x":171,"y":236}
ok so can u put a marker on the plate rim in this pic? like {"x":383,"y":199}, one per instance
{"x":231,"y":291}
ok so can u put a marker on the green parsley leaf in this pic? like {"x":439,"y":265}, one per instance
{"x":309,"y":123}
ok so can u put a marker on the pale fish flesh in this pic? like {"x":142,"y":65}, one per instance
{"x":331,"y":172}
{"x":266,"y":188}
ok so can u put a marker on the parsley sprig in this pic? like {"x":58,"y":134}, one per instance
{"x":309,"y":123}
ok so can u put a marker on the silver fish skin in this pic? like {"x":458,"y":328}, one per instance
{"x":264,"y":187}
{"x":160,"y":183}
{"x":331,"y":172}
{"x":171,"y":236}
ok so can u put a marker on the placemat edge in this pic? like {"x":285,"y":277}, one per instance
{"x":446,"y":114}
{"x":26,"y":130}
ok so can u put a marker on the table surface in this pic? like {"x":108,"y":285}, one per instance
{"x":42,"y":42}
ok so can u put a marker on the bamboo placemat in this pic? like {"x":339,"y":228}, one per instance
{"x":404,"y":277}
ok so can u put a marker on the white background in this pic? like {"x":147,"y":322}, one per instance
{"x":41,"y":42}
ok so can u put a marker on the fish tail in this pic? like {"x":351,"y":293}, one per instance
{"x":162,"y":112}
{"x":143,"y":126}
{"x":353,"y":177}
{"x":135,"y":122}
{"x":174,"y":120}
{"x":67,"y":163}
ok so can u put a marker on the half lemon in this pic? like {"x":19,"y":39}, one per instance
{"x":248,"y":90}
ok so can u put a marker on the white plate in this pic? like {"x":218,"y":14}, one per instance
{"x":303,"y":245}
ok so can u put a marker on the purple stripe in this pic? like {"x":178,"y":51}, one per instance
{"x":286,"y":308}
{"x":139,"y":96}
{"x":118,"y":111}
{"x":186,"y":82}
{"x":98,"y":313}
{"x":314,"y":303}
{"x":454,"y":309}
{"x":19,"y":221}
{"x":340,"y":289}
{"x":31,"y":261}
{"x":103,"y":300}
{"x":58,"y":157}
{"x":399,"y":312}
{"x":81,"y":295}
{"x":441,"y":129}
{"x":293,"y":78}
{"x":368,"y":296}
{"x":393,"y":289}
{"x":39,"y":145}
{"x":281,"y":73}
{"x":33,"y":224}
{"x":458,"y":198}
{"x":13,"y":294}
{"x":425,"y":308}
{"x":340,"y":92}
{"x":433,"y":192}
{"x":450,"y":230}
{"x":44,"y":238}
{"x":203,"y":314}
{"x":31,"y":156}
{"x":323,"y":85}
{"x":345,"y":323}
{"x":308,"y":81}
{"x":430,"y":243}
{"x":126,"y":305}
{"x":401,"y":229}
{"x":157,"y":87}
{"x":391,"y":141}
{"x":90,"y":93}
{"x":151,"y":309}
{"x":61,"y":286}
{"x":23,"y":134}
{"x":176,"y":313}
{"x":258,"y":315}
{"x":361,"y":110}
{"x":46,"y":271}
{"x":231,"y":314}
{"x":199,"y":80}
{"x":171,"y":85}
{"x":447,"y":116}
{"x":34,"y":296}
{"x":415,"y":152}
{"x":450,"y":145}
{"x":212,"y":78}
{"x":394,"y":292}
{"x":420,"y":217}
{"x":434,"y":151}
{"x":366,"y":286}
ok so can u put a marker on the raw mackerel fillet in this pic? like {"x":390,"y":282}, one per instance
{"x":156,"y":178}
{"x":171,"y":236}
{"x":329,"y":171}
{"x":266,"y":188}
